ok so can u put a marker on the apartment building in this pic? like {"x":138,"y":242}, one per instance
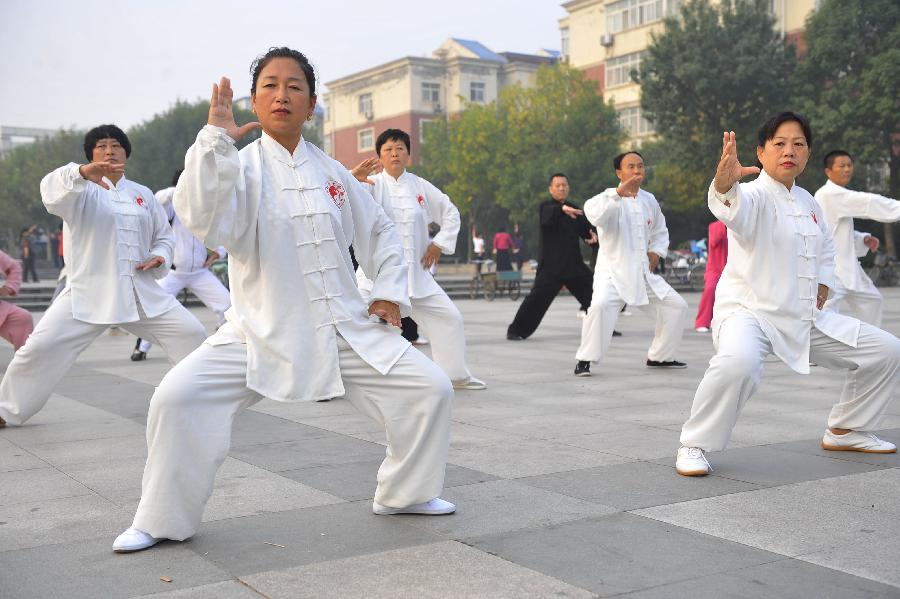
{"x":606,"y":39}
{"x":409,"y":92}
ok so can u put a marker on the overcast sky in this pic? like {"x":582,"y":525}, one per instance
{"x":77,"y":63}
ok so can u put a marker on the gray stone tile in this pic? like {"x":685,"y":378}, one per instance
{"x":630,"y":441}
{"x":784,"y":579}
{"x":529,"y":457}
{"x":308,"y":535}
{"x":89,"y":569}
{"x":635,"y":485}
{"x":878,"y":490}
{"x":813,"y":446}
{"x":873,"y":554}
{"x":253,"y":428}
{"x":620,"y":553}
{"x":38,"y":431}
{"x":356,"y":480}
{"x":504,"y":505}
{"x":308,"y":453}
{"x":767,"y":467}
{"x":440,"y":570}
{"x":781,"y":519}
{"x":93,"y":451}
{"x":13,"y":457}
{"x":37,"y":484}
{"x":548,"y":426}
{"x":218,"y":590}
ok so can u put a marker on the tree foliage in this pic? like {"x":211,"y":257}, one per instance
{"x":495,"y":160}
{"x":713,"y":68}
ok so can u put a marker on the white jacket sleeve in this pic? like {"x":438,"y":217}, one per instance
{"x":63,"y":191}
{"x":211,"y":199}
{"x":442,"y":211}
{"x":162,"y":241}
{"x":859,"y":245}
{"x":659,"y":233}
{"x":377,"y":247}
{"x":859,"y":204}
{"x":826,"y":257}
{"x":602,"y":209}
{"x":736,"y":209}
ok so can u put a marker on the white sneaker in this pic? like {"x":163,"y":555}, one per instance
{"x":702,"y":329}
{"x":421,"y":340}
{"x":435,"y":507}
{"x":133,"y":540}
{"x":857,"y":441}
{"x":691,"y":461}
{"x":470,"y":384}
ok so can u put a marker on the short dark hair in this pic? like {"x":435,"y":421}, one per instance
{"x":105,"y":132}
{"x":392,"y":135}
{"x":617,"y":160}
{"x":176,"y":176}
{"x":830,"y":156}
{"x":555,"y":175}
{"x":283,"y":52}
{"x":768,"y":129}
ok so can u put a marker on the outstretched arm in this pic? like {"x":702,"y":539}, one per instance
{"x":726,"y":200}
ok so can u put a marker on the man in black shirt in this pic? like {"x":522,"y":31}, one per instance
{"x":559,"y":259}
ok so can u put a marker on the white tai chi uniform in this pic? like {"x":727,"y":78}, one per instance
{"x":854,"y":292}
{"x":628,"y":228}
{"x":108,"y":233}
{"x":779,"y":251}
{"x":188,"y":270}
{"x":298,"y":329}
{"x":413,"y":203}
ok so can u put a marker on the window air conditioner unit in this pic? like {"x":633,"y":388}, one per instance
{"x":369,"y":116}
{"x":606,"y":40}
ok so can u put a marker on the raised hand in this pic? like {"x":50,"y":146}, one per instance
{"x":871,"y":242}
{"x":221,"y":114}
{"x":572,"y":212}
{"x":730,"y":170}
{"x":96,"y":171}
{"x":365,"y":168}
{"x":630,"y":187}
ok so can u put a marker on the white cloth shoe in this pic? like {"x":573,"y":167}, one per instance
{"x":691,"y":461}
{"x":702,"y":329}
{"x":421,"y":340}
{"x":470,"y":384}
{"x":857,"y":441}
{"x":133,"y":540}
{"x":435,"y":507}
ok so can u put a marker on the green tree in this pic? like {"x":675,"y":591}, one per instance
{"x":849,"y":87}
{"x":713,"y":68}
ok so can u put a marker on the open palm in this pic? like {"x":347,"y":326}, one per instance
{"x":730,"y":170}
{"x":221,"y":113}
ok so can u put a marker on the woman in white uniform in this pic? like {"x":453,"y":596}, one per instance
{"x":298,"y":329}
{"x":769,"y":300}
{"x":117,"y":243}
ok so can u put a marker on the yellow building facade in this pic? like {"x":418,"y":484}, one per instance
{"x":607,"y":38}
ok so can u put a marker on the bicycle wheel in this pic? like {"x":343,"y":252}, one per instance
{"x":473,"y":288}
{"x":515,"y":289}
{"x":889,"y":276}
{"x":490,"y":290}
{"x":696,"y":278}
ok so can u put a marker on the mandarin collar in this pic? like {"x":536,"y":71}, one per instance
{"x":280,"y":153}
{"x":404,"y":175}
{"x":772,"y":184}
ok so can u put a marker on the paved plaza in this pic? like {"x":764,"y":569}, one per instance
{"x":566,"y":487}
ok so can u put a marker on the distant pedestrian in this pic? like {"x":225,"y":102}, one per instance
{"x":502,"y":247}
{"x":520,"y":248}
{"x":26,"y":247}
{"x":16,"y":324}
{"x":716,"y":257}
{"x":477,"y":246}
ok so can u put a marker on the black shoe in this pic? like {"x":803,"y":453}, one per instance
{"x":616,"y":333}
{"x":514,"y":337}
{"x":583,"y":368}
{"x":138,"y":355}
{"x":669,"y":364}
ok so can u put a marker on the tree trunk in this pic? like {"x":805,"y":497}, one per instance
{"x":890,"y":247}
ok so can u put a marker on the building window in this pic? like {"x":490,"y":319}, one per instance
{"x":633,"y":122}
{"x":476,"y":91}
{"x":365,"y":105}
{"x":431,"y":92}
{"x":626,"y":14}
{"x":564,"y":42}
{"x":618,"y":69}
{"x":365,"y":140}
{"x":423,"y":124}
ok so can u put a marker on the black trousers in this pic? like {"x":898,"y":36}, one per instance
{"x":28,"y":267}
{"x":546,"y":287}
{"x":410,"y":329}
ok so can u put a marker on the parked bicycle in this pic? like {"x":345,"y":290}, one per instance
{"x":489,"y":282}
{"x":884,"y":271}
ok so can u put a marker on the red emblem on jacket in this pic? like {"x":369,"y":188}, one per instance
{"x":421,"y":200}
{"x":813,"y":214}
{"x":649,"y":222}
{"x":140,"y":201}
{"x":336,"y":191}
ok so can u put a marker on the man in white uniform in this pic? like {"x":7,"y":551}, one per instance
{"x":190,"y":269}
{"x":854,"y":293}
{"x":298,"y":329}
{"x":413,"y":203}
{"x":117,"y":243}
{"x":633,"y":237}
{"x":770,"y":298}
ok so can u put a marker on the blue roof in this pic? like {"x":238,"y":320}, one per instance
{"x":552,"y":53}
{"x":479,"y":49}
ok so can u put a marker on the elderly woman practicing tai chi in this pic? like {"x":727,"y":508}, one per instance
{"x":298,"y":329}
{"x":769,"y":300}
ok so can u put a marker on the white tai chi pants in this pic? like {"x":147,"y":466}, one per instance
{"x":734,"y":374}
{"x":606,"y":304}
{"x":442,"y":323}
{"x":864,"y":304}
{"x":202,"y":283}
{"x":193,"y":409}
{"x":59,"y":338}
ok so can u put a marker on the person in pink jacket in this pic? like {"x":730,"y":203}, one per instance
{"x":15,"y":323}
{"x":717,"y":243}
